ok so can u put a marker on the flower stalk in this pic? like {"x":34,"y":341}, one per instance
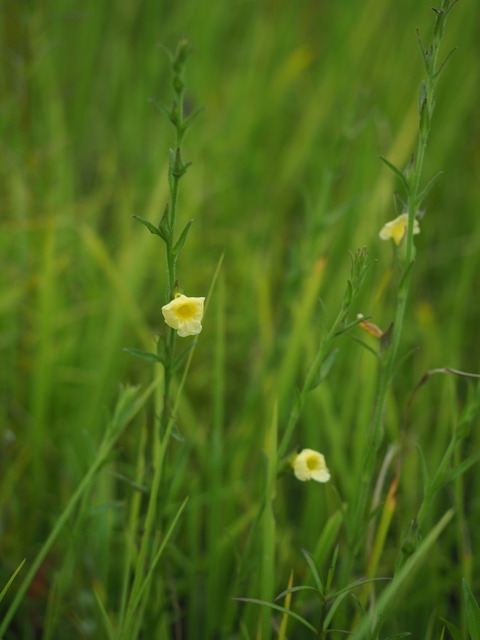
{"x":410,"y":178}
{"x":166,"y":228}
{"x":183,"y":316}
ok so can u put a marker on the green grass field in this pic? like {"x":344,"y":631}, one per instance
{"x":141,"y":500}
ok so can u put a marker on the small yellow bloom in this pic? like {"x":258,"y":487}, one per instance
{"x":310,"y":465}
{"x":395,"y":229}
{"x":184,"y":314}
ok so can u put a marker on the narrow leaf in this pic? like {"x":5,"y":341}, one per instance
{"x":164,"y":226}
{"x":151,"y":227}
{"x":162,"y":108}
{"x":277,"y":607}
{"x":405,"y":275}
{"x":107,"y":623}
{"x":350,"y":325}
{"x":425,"y":191}
{"x":396,"y":171}
{"x":444,"y":62}
{"x":423,"y":465}
{"x":181,"y":240}
{"x":144,"y":355}
{"x":311,"y":563}
{"x":391,"y":592}
{"x":365,"y":346}
{"x":181,"y":357}
{"x":422,"y":98}
{"x":331,"y":570}
{"x":454,"y":632}
{"x":359,"y":606}
{"x":328,"y":537}
{"x":464,"y":466}
{"x":353,"y":585}
{"x":11,"y":579}
{"x":153,"y":564}
{"x":472,"y":611}
{"x":187,"y":123}
{"x":324,"y":369}
{"x":282,"y":633}
{"x":302,"y":587}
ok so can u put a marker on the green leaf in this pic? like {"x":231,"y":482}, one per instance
{"x":359,"y":607}
{"x":311,"y":563}
{"x":424,"y":467}
{"x":277,"y":607}
{"x":391,"y":592}
{"x":145,"y":355}
{"x":350,"y":325}
{"x":11,"y":579}
{"x":175,"y":433}
{"x":353,"y":585}
{"x":331,"y":570}
{"x":107,"y":622}
{"x":164,"y":227}
{"x":444,"y":62}
{"x":187,"y":123}
{"x":425,"y":191}
{"x":138,"y":596}
{"x":365,"y":346}
{"x":405,"y":275}
{"x":164,"y":110}
{"x":464,"y":466}
{"x":422,"y":98}
{"x":396,"y":171}
{"x":295,"y":590}
{"x":327,"y":537}
{"x":156,"y":231}
{"x":181,"y":357}
{"x":454,"y":632}
{"x":472,"y":611}
{"x":183,"y":236}
{"x":324,"y":369}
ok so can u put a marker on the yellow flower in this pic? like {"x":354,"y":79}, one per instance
{"x":310,"y":465}
{"x":395,"y":229}
{"x":184,"y":314}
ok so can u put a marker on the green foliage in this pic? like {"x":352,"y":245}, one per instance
{"x":472,"y":612}
{"x":166,"y":509}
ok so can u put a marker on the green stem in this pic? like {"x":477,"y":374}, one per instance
{"x":390,"y":362}
{"x":164,"y":426}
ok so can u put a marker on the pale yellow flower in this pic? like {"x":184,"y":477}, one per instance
{"x":310,"y":465}
{"x":395,"y":229}
{"x":184,"y":314}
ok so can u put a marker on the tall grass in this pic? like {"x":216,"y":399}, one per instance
{"x":302,"y":99}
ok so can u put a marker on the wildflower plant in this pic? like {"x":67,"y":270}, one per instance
{"x":152,"y":523}
{"x":402,"y":231}
{"x":183,"y":316}
{"x":310,"y":464}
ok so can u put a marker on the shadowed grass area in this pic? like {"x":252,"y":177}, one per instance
{"x":302,"y":98}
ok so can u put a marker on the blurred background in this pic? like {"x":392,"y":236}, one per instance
{"x":301,"y":97}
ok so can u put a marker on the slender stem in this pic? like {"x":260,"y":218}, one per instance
{"x":390,"y":361}
{"x":164,"y":426}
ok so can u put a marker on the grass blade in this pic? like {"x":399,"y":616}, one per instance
{"x":472,"y":611}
